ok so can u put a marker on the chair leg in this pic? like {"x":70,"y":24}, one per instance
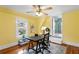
{"x":48,"y":50}
{"x":40,"y":48}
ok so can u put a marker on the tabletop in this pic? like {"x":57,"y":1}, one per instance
{"x":36,"y":38}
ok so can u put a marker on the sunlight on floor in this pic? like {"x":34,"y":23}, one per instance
{"x":20,"y":52}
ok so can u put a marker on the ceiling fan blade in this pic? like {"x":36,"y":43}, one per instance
{"x":37,"y":8}
{"x":29,"y":12}
{"x":34,"y":6}
{"x":49,"y":8}
{"x":44,"y":13}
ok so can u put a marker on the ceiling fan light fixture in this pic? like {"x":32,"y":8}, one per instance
{"x":39,"y":14}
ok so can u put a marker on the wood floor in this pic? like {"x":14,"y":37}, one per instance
{"x":17,"y":49}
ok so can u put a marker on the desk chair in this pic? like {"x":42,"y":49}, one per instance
{"x":45,"y":43}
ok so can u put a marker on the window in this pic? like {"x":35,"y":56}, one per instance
{"x":21,"y":27}
{"x":57,"y":26}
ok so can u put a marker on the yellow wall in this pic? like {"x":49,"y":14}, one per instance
{"x":44,"y":21}
{"x":71,"y":26}
{"x":8,"y":25}
{"x":7,"y":28}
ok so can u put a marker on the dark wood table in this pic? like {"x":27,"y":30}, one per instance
{"x":36,"y":39}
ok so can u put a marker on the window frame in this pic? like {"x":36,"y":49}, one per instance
{"x":25,"y":27}
{"x":57,"y":35}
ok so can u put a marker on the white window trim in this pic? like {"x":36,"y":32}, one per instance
{"x":19,"y":36}
{"x":53,"y":30}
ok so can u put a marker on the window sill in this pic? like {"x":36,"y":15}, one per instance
{"x":57,"y":36}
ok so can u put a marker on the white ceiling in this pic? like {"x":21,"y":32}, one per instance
{"x":57,"y":9}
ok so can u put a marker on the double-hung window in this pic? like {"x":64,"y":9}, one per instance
{"x":57,"y":27}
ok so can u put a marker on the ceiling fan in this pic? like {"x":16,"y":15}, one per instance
{"x":40,"y":10}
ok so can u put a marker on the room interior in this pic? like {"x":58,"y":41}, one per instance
{"x":20,"y":21}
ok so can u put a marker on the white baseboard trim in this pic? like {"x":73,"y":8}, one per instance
{"x":8,"y":45}
{"x":71,"y":43}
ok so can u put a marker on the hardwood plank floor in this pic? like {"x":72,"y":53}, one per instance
{"x":72,"y":50}
{"x":16,"y":49}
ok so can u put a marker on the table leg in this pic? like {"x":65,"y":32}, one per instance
{"x":36,"y":51}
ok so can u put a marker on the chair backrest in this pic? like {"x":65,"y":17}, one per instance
{"x":46,"y":38}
